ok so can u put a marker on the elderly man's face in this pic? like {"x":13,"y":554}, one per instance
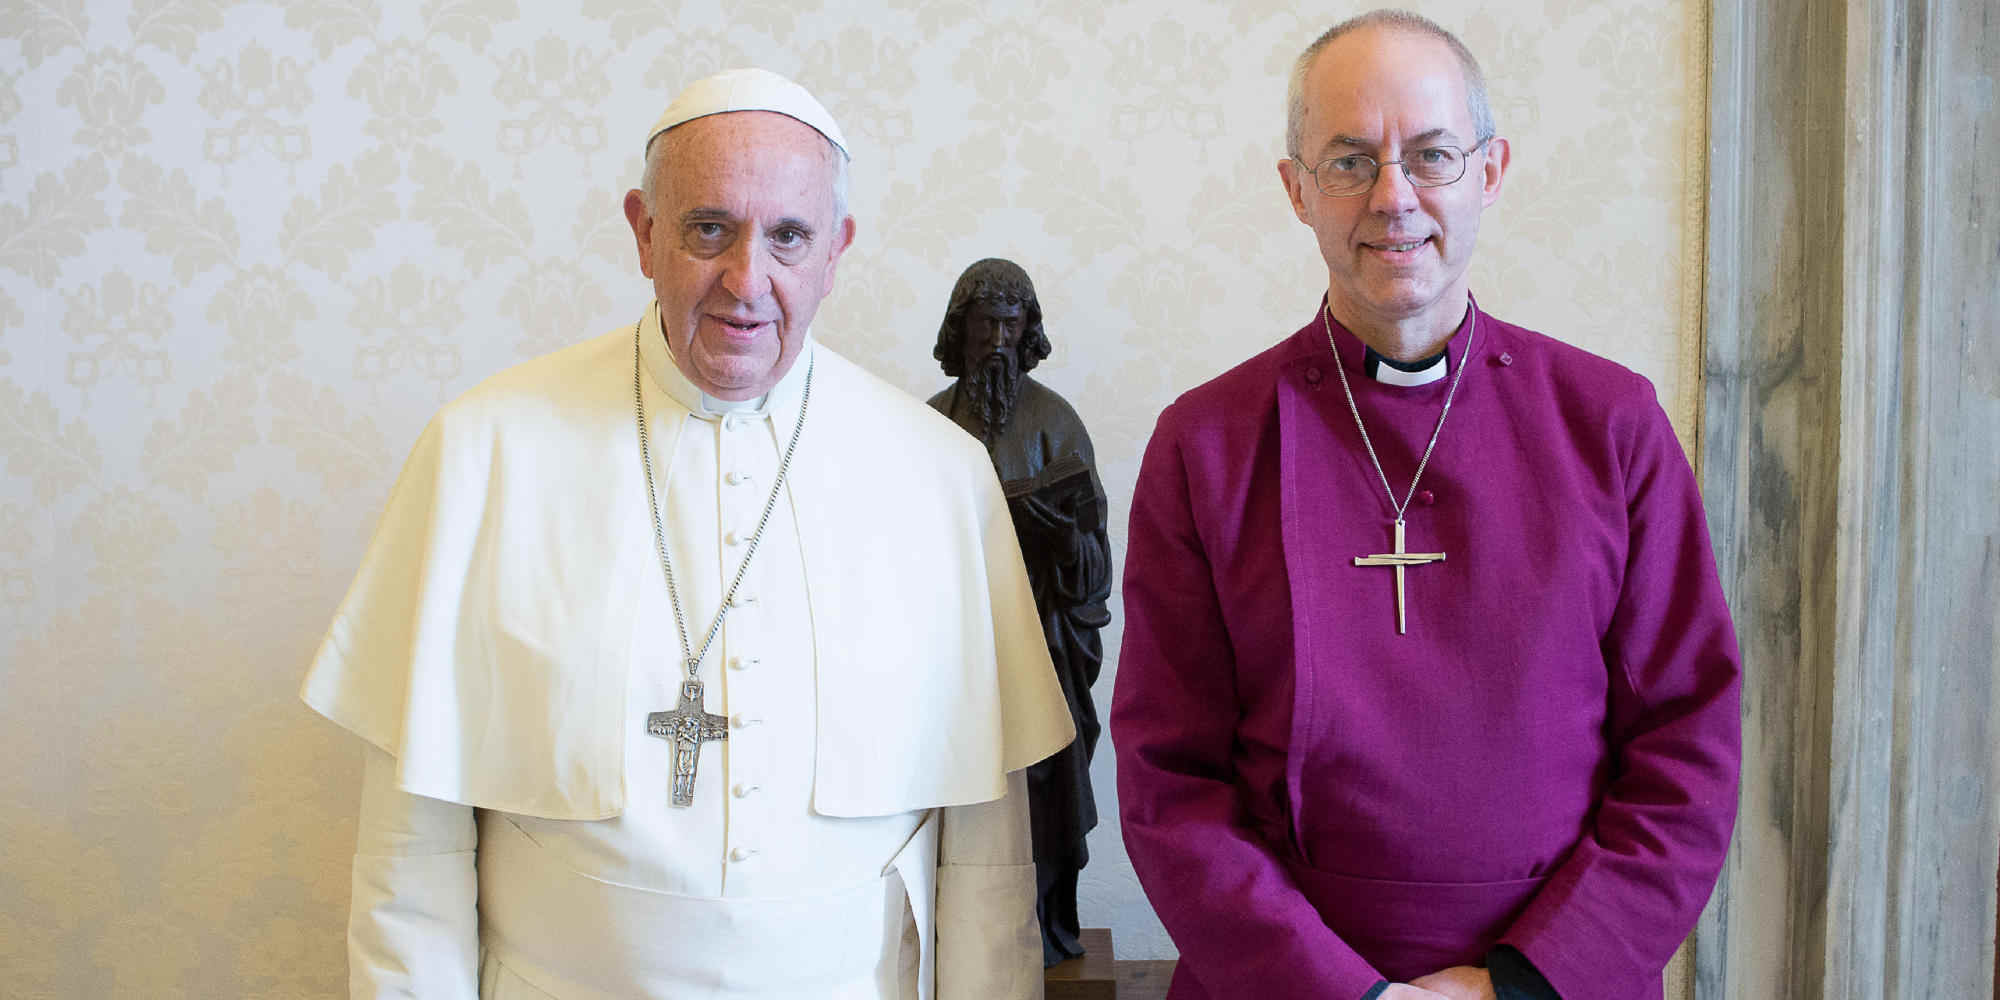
{"x":992,"y":326}
{"x":1396,"y":255}
{"x":741,"y":246}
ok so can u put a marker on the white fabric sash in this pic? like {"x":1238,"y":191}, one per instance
{"x":578,"y":938}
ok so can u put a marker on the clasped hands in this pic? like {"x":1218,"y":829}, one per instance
{"x":1460,"y":982}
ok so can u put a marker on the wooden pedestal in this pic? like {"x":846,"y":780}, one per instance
{"x":1099,"y":976}
{"x":1094,"y":976}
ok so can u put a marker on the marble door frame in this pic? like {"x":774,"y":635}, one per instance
{"x":1850,"y":414}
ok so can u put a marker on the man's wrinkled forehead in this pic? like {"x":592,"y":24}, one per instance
{"x":1341,"y":142}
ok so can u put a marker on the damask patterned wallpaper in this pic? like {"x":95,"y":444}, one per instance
{"x":247,"y":248}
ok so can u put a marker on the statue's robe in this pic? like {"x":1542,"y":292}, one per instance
{"x":510,"y":629}
{"x":1067,"y":547}
{"x":1547,"y":760}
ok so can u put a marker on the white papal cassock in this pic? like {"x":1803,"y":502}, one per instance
{"x":883,"y":673}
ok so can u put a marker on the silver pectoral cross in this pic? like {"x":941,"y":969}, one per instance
{"x":1399,"y":560}
{"x":688,"y":726}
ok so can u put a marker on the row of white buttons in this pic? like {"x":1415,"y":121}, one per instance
{"x":743,"y":789}
{"x":735,"y":539}
{"x":735,"y":478}
{"x":741,"y":720}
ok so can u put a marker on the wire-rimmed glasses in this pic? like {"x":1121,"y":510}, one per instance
{"x":1354,"y":173}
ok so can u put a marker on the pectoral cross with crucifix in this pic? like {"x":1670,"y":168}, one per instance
{"x":1399,"y":560}
{"x":688,"y":727}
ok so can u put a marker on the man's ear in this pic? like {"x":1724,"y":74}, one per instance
{"x":1499,"y":153}
{"x":1290,"y":172}
{"x":642,"y":228}
{"x":843,"y":237}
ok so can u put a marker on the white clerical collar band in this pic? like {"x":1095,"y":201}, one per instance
{"x":748,"y":90}
{"x":660,"y":361}
{"x":1408,"y":373}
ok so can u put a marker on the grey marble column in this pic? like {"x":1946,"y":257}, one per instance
{"x":1851,"y":463}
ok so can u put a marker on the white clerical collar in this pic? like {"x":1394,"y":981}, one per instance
{"x":1389,"y":371}
{"x":1405,"y":374}
{"x":659,"y":362}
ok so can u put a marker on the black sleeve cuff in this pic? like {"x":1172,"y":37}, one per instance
{"x":1376,"y":990}
{"x":1515,"y":978}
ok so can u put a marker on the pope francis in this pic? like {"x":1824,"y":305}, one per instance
{"x":694,"y":661}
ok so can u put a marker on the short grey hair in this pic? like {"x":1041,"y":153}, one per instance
{"x":1475,"y":80}
{"x":656,"y":168}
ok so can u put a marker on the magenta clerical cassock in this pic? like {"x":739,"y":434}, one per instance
{"x":1546,"y":760}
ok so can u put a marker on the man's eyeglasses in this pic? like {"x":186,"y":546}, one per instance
{"x":1354,"y":173}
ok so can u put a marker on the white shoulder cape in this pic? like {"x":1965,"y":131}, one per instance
{"x":484,"y":642}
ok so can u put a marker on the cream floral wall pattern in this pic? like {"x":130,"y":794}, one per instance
{"x":246,"y":249}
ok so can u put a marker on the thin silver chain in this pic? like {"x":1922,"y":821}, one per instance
{"x":1464,"y":362}
{"x":692,"y":658}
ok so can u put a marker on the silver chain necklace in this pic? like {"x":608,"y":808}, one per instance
{"x":1400,"y":560}
{"x":692,"y":657}
{"x":689,"y":725}
{"x":1464,"y":362}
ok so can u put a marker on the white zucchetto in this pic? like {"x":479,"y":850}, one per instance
{"x":748,"y":90}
